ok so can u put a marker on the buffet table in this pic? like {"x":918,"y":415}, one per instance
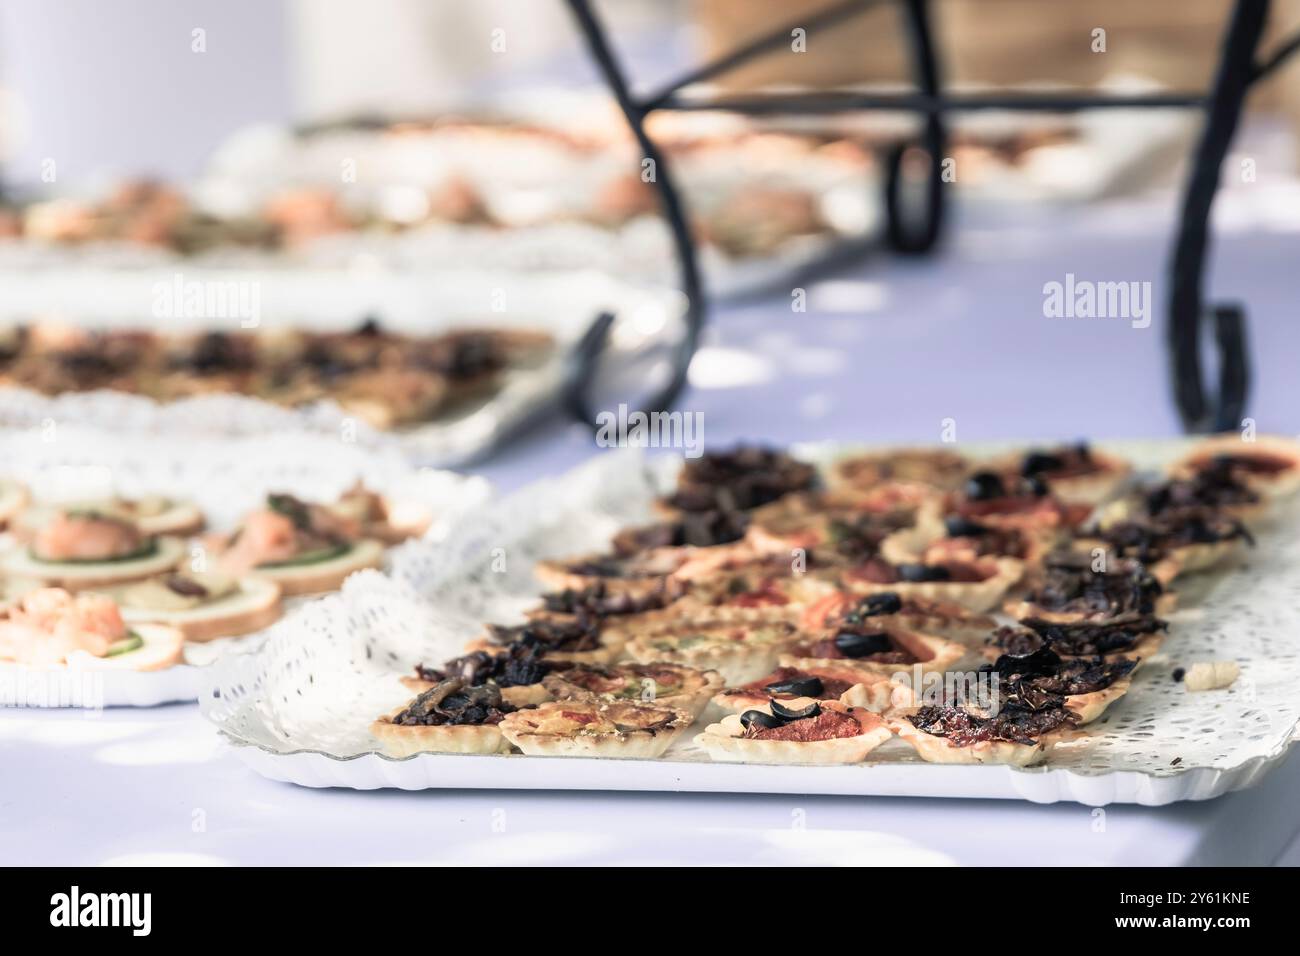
{"x":887,"y":351}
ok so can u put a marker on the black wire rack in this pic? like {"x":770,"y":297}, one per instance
{"x":910,"y":230}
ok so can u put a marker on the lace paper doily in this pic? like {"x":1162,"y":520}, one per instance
{"x":333,"y":669}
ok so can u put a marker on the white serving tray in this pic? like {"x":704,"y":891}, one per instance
{"x":298,"y":709}
{"x":562,"y":304}
{"x":225,"y":478}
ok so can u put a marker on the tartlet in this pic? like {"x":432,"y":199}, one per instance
{"x":578,"y":640}
{"x":1018,"y":735}
{"x":154,"y":515}
{"x":668,"y":685}
{"x":595,"y":728}
{"x":977,"y":585}
{"x":1076,"y":474}
{"x":516,"y":671}
{"x":875,"y":647}
{"x":805,"y":731}
{"x":938,"y":468}
{"x":1269,"y":465}
{"x":1069,"y":589}
{"x":450,"y":717}
{"x":841,"y":609}
{"x":741,"y":479}
{"x":1135,"y":637}
{"x":997,"y":501}
{"x":1087,"y":685}
{"x":740,"y":651}
{"x":838,"y":681}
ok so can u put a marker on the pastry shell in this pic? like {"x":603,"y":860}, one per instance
{"x":524,"y":695}
{"x":697,"y":688}
{"x":1088,"y":707}
{"x":1277,"y":485}
{"x":978,"y":596}
{"x":520,"y":728}
{"x":944,"y":654}
{"x":400,"y":740}
{"x":935,"y":749}
{"x":871,"y":691}
{"x":724,"y":741}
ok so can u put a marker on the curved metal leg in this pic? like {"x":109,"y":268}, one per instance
{"x":1232,"y":81}
{"x":588,"y":353}
{"x":918,"y":237}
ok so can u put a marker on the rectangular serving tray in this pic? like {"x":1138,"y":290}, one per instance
{"x":299,"y":715}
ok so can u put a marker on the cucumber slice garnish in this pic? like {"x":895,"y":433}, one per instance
{"x":132,"y":642}
{"x":316,"y":556}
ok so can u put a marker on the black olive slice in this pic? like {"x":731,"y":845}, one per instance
{"x":766,"y":721}
{"x":1037,"y":462}
{"x":886,"y":602}
{"x":918,"y":573}
{"x":810,"y":686}
{"x":787,"y":715}
{"x":1037,"y":485}
{"x":860,"y":645}
{"x":984,"y":485}
{"x":958,"y":527}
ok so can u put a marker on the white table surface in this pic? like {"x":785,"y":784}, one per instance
{"x":886,"y":352}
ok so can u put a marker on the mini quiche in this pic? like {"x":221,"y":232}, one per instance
{"x":202,"y":606}
{"x":1069,"y":589}
{"x":1026,"y":503}
{"x":595,"y":728}
{"x":517,"y":671}
{"x":843,"y":610}
{"x":1088,"y":685}
{"x":1132,"y":637}
{"x":152,"y":515}
{"x":668,"y":685}
{"x":962,"y":540}
{"x":826,"y":520}
{"x":597,"y":602}
{"x":577,"y":641}
{"x":1269,"y":465}
{"x":1075,"y":474}
{"x":1178,"y":542}
{"x":822,"y":682}
{"x":450,"y":717}
{"x":936,"y":468}
{"x":758,"y":588}
{"x":305,"y":548}
{"x":741,"y":479}
{"x":82,"y":549}
{"x":740,"y":651}
{"x":951,"y":732}
{"x":977,"y":585}
{"x":801,"y":731}
{"x":874,"y":647}
{"x":51,"y":627}
{"x":1216,"y":487}
{"x":13,"y":499}
{"x":641,"y":560}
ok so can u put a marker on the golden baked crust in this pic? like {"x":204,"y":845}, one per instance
{"x":1088,"y":707}
{"x":740,"y":651}
{"x":1283,"y":452}
{"x":978,"y":596}
{"x":935,"y":655}
{"x":869,"y":690}
{"x":399,"y":740}
{"x":525,"y":695}
{"x":662,"y":683}
{"x":595,"y":728}
{"x":933,"y":749}
{"x":725,"y":740}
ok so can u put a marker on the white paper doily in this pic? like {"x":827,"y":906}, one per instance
{"x":226,"y":478}
{"x":302,"y":704}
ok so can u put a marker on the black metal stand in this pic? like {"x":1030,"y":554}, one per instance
{"x":1238,"y":70}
